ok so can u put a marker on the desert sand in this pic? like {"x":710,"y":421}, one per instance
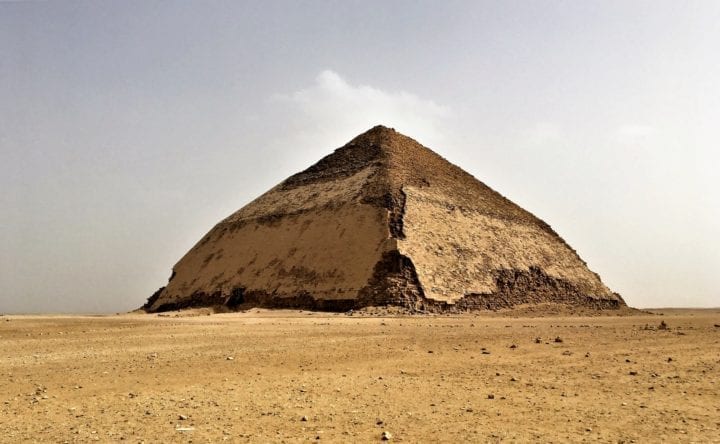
{"x":292,"y":376}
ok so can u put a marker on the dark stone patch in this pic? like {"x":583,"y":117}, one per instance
{"x":237,"y":298}
{"x":343,"y":162}
{"x":394,"y":282}
{"x":154,"y":297}
{"x":533,"y":286}
{"x":196,"y":300}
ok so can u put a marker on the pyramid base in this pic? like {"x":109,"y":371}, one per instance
{"x":395,"y":284}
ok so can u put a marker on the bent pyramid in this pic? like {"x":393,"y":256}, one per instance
{"x":382,"y":221}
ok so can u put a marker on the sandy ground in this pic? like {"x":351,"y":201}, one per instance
{"x":295,"y":376}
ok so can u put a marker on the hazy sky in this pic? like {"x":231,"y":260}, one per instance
{"x":128,"y":129}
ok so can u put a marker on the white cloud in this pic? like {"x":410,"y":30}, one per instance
{"x":333,"y":111}
{"x":635,"y":130}
{"x":634,"y":135}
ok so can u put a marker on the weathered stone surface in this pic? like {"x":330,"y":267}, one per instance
{"x":381,"y":221}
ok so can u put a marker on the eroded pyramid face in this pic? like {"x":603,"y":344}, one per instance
{"x":382,"y":221}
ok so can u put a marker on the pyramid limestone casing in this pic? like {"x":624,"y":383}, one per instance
{"x":382,"y":220}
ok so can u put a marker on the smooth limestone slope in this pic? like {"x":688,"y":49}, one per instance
{"x":314,"y":240}
{"x":457,"y":252}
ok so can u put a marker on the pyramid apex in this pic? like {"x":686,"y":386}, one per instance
{"x":378,"y":131}
{"x":382,"y":128}
{"x":378,"y":134}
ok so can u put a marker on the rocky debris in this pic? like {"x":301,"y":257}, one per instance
{"x":558,"y":339}
{"x":38,"y":395}
{"x":663,"y":326}
{"x":182,"y":417}
{"x":386,"y":436}
{"x":304,"y":418}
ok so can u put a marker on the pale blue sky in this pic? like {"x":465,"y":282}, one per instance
{"x":128,"y":129}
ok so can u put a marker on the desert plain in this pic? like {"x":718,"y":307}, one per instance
{"x":299,"y":376}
